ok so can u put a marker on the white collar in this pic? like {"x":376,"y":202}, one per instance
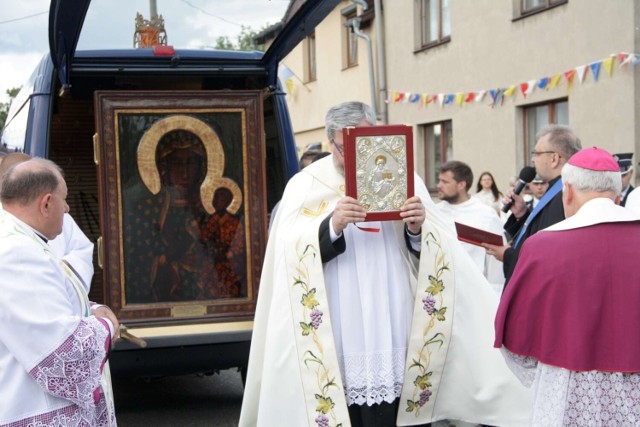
{"x":595,"y":211}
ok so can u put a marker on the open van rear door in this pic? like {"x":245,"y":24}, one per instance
{"x":65,"y":23}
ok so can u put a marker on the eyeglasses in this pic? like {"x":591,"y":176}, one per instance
{"x":537,"y":153}
{"x":340,"y":148}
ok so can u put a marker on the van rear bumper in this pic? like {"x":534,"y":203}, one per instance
{"x":180,"y":354}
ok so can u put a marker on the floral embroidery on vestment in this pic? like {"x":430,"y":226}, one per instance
{"x":311,"y":321}
{"x":434,"y":310}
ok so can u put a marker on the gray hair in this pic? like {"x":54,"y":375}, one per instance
{"x":25,"y":185}
{"x":347,"y":114}
{"x":562,"y":139}
{"x":588,"y":180}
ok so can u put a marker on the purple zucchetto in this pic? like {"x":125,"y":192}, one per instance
{"x":595,"y":159}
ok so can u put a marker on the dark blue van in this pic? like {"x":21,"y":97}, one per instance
{"x":173,"y":159}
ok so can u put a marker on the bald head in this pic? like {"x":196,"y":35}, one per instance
{"x":35,"y":192}
{"x":26,"y":180}
{"x":10,"y":160}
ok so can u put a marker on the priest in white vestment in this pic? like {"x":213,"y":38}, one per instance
{"x":53,"y":342}
{"x":72,"y":245}
{"x":456,"y":205}
{"x":358,"y":320}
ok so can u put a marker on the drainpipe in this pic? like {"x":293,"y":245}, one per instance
{"x":362,"y":3}
{"x":382,"y":77}
{"x":355,"y":24}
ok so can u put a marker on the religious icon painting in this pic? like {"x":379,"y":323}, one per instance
{"x":379,"y":168}
{"x":181,"y":173}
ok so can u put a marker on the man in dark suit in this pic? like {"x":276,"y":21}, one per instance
{"x":555,"y":145}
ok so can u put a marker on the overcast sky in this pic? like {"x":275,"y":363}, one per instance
{"x":111,"y":23}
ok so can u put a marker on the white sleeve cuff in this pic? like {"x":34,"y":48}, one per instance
{"x":415,"y":241}
{"x":332,"y":233}
{"x":110,"y":325}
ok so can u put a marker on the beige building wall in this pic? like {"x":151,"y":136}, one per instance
{"x":488,"y":49}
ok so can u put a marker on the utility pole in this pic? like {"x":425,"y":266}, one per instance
{"x":153,"y":9}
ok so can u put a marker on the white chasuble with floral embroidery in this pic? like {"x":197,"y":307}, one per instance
{"x":301,"y":369}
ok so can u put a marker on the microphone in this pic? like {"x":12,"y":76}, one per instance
{"x":526,"y":176}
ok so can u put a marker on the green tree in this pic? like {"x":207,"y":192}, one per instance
{"x":4,"y":106}
{"x":244,"y":40}
{"x":223,"y":43}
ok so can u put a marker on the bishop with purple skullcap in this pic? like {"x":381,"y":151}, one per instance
{"x":595,"y":159}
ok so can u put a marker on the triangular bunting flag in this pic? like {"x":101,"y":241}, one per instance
{"x":470,"y":97}
{"x":608,"y":65}
{"x":581,"y":71}
{"x":399,"y":97}
{"x":626,"y":59}
{"x":569,"y":75}
{"x":622,"y":58}
{"x":440,"y":99}
{"x":510,"y":91}
{"x":415,"y":98}
{"x":523,"y":88}
{"x":542,"y":83}
{"x":498,"y":97}
{"x":449,"y":99}
{"x":595,"y":70}
{"x":459,"y":98}
{"x":554,"y":81}
{"x":406,"y":97}
{"x":532,"y":85}
{"x":480,"y":95}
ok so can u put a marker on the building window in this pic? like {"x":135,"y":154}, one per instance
{"x":350,"y":40}
{"x":535,"y":117}
{"x":436,"y":148}
{"x":310,"y":64}
{"x":434,"y":23}
{"x":530,"y":7}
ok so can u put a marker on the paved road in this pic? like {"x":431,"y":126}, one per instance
{"x":189,"y":401}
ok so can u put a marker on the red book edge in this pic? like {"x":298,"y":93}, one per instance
{"x":476,"y":236}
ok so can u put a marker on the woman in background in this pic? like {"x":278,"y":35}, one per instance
{"x":487,"y":191}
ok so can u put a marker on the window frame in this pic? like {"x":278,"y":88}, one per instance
{"x":422,"y":15}
{"x":349,"y":38}
{"x":310,"y":58}
{"x":527,"y":145}
{"x":521,"y":12}
{"x":444,"y":149}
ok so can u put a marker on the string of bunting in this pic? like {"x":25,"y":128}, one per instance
{"x":498,"y":95}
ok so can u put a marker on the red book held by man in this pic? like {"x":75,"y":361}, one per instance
{"x":475,"y":236}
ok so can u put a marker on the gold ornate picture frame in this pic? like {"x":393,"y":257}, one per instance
{"x":182,"y":203}
{"x":379,"y":168}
